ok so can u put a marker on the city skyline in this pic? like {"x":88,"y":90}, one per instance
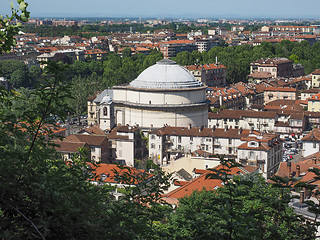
{"x":187,"y":8}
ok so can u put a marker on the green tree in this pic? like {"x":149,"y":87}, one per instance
{"x":126,"y":52}
{"x":245,"y":207}
{"x":9,"y":29}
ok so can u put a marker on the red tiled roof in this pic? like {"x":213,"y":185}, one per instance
{"x":71,"y":147}
{"x":202,"y":183}
{"x":109,"y":172}
{"x":91,"y":140}
{"x":281,"y":89}
{"x":313,"y":136}
{"x":316,"y":72}
{"x":303,"y":166}
{"x":114,"y":133}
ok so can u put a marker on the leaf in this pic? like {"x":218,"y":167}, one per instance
{"x":22,"y":7}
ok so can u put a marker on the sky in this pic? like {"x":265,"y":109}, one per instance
{"x":172,"y":8}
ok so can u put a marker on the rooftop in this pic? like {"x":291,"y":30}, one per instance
{"x":165,"y":74}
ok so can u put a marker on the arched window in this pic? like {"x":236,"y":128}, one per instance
{"x":105,"y":111}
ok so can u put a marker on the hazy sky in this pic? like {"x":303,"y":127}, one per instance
{"x":171,"y":8}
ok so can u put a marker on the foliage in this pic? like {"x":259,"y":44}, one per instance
{"x":143,"y":204}
{"x":245,"y":207}
{"x":9,"y":29}
{"x":42,"y":196}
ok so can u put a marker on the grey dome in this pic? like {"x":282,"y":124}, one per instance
{"x":166,"y":74}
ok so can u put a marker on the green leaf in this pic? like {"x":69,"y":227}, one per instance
{"x":23,"y":6}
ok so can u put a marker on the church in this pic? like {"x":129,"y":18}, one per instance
{"x":163,"y":94}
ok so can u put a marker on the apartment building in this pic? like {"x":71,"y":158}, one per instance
{"x":278,"y":67}
{"x":279,"y":93}
{"x":173,"y":47}
{"x":126,"y":145}
{"x":261,"y":150}
{"x":315,"y":76}
{"x":314,"y":103}
{"x":243,"y":119}
{"x":209,"y":74}
{"x":167,"y":144}
{"x":311,"y":143}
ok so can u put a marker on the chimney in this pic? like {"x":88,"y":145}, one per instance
{"x":298,"y":170}
{"x":213,"y":128}
{"x":226,"y":128}
{"x":314,"y":159}
{"x":189,"y":126}
{"x":200,"y":129}
{"x":301,"y":197}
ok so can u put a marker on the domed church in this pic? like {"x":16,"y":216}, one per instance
{"x":163,"y":94}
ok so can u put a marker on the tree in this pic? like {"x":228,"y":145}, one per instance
{"x":7,"y":40}
{"x":245,"y":207}
{"x":126,"y":52}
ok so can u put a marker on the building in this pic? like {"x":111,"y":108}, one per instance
{"x":201,"y":182}
{"x":163,"y":94}
{"x":98,"y":145}
{"x":311,"y":143}
{"x":68,"y":150}
{"x":173,"y":47}
{"x":278,"y":67}
{"x":315,"y":76}
{"x":244,"y":119}
{"x":314,"y":103}
{"x":279,"y":93}
{"x":263,"y":151}
{"x":308,"y":93}
{"x":205,"y":44}
{"x":169,"y":143}
{"x":209,"y":74}
{"x":258,"y":77}
{"x":126,"y":145}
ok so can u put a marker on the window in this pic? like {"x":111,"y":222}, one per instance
{"x":153,"y":145}
{"x":153,"y":137}
{"x":191,"y":139}
{"x":314,"y":145}
{"x":230,"y":141}
{"x":105,"y":111}
{"x":93,"y":149}
{"x":207,"y":147}
{"x":179,"y":139}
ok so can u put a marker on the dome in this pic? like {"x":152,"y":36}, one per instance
{"x":166,"y":74}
